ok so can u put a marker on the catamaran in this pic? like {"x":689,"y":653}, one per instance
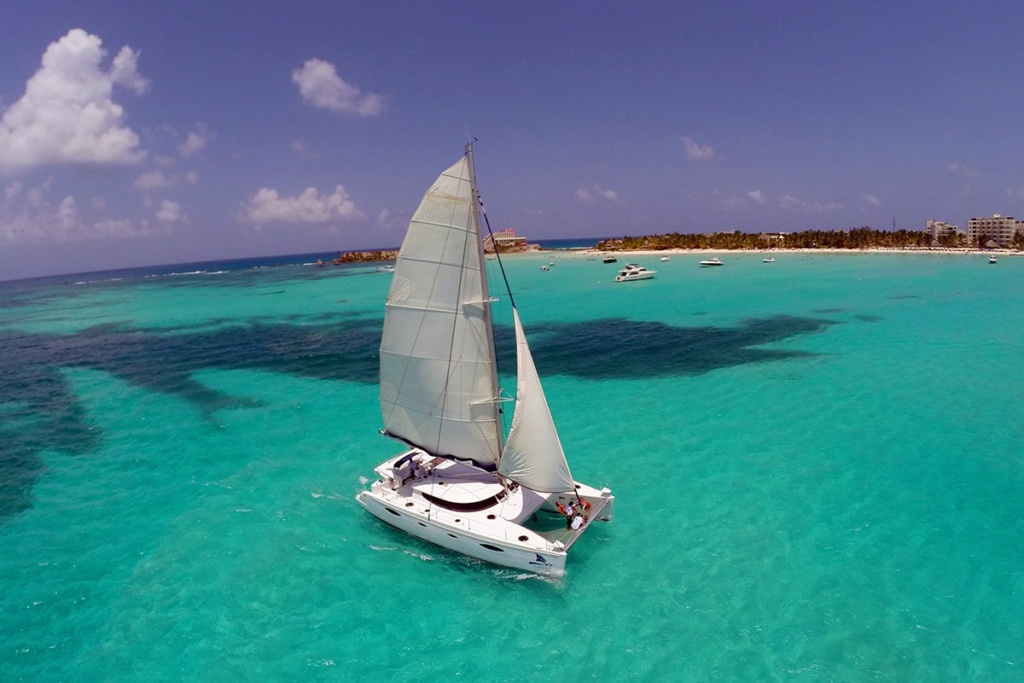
{"x":461,"y":483}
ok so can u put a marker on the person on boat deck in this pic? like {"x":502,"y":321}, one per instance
{"x":570,"y":512}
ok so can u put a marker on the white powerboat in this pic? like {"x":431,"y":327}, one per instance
{"x":712,"y":262}
{"x":634,"y":271}
{"x":993,"y":259}
{"x":769,"y":259}
{"x":460,"y":481}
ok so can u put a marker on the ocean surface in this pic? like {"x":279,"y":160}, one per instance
{"x":818,"y":466}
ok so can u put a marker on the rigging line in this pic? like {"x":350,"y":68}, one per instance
{"x":497,"y":254}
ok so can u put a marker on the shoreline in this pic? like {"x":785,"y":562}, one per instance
{"x":937,"y":251}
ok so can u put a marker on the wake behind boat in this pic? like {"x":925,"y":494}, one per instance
{"x":461,"y":483}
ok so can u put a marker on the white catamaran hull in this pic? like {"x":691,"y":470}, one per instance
{"x":502,"y":532}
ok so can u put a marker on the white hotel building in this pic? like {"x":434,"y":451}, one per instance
{"x":996,"y":227}
{"x":939,"y":229}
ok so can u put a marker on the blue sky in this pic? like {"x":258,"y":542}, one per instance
{"x":145,"y":133}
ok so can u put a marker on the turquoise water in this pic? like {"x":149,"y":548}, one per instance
{"x":818,"y":467}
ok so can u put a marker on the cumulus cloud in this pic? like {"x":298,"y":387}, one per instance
{"x":757,"y":196}
{"x":267,"y":206}
{"x":68,"y":114}
{"x":193,"y":142}
{"x":322,"y":87}
{"x":597,"y":194}
{"x":28,"y":216}
{"x":696,"y":151}
{"x":169,"y":212}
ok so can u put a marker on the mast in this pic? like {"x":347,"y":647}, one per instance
{"x":485,"y":293}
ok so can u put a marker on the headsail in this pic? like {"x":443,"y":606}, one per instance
{"x":533,"y":452}
{"x":438,"y":382}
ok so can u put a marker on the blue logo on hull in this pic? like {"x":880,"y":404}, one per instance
{"x":540,"y":561}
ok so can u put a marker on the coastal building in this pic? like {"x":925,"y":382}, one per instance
{"x":940,"y":229}
{"x":772,"y":238}
{"x":997,"y":228}
{"x":505,"y":239}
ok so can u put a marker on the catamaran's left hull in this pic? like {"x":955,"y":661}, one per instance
{"x":456,"y":536}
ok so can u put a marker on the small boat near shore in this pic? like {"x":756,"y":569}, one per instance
{"x":714,"y":261}
{"x":770,"y":259}
{"x":609,"y":259}
{"x":993,"y":259}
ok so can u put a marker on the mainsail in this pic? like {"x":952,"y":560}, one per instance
{"x":533,"y":453}
{"x":438,"y":381}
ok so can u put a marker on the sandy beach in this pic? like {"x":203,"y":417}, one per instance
{"x":938,"y":251}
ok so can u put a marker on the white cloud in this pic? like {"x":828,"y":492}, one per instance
{"x":791,"y":203}
{"x":67,"y":114}
{"x":194,"y":142}
{"x":322,"y":87}
{"x":150,"y":180}
{"x":29,"y":217}
{"x":696,"y":151}
{"x":157,"y":178}
{"x":267,"y":206}
{"x":301,"y":147}
{"x":757,"y":196}
{"x":597,"y":194}
{"x":12,"y":190}
{"x":872,"y":201}
{"x":124,"y":70}
{"x":169,"y":212}
{"x":955,"y":167}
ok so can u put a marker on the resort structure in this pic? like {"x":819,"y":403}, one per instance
{"x":940,"y":229}
{"x":996,"y":228}
{"x":505,"y":240}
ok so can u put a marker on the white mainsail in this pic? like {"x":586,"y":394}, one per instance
{"x":438,"y":381}
{"x":533,"y":452}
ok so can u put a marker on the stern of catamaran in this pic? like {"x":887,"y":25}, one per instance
{"x":596,"y":505}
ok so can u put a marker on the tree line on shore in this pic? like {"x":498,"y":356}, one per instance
{"x":855,"y":238}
